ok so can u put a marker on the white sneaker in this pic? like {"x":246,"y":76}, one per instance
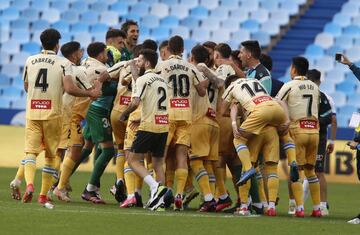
{"x":324,"y":211}
{"x":15,"y":189}
{"x":292,"y":208}
{"x":62,"y":194}
{"x":355,"y":220}
{"x":242,"y":212}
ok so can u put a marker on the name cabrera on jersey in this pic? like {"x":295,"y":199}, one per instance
{"x":151,"y":88}
{"x":248,"y":93}
{"x":181,"y":78}
{"x":44,"y":74}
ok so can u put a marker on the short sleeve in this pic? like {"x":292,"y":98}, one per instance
{"x":284,"y":92}
{"x":228,"y":94}
{"x":66,"y":67}
{"x":115,"y":70}
{"x":81,"y":78}
{"x":140,"y":87}
{"x":25,"y":72}
{"x":198,"y":76}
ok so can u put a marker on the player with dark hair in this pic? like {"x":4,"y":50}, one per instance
{"x":210,"y":46}
{"x":131,"y":28}
{"x":150,"y":44}
{"x":114,"y":45}
{"x":164,"y":50}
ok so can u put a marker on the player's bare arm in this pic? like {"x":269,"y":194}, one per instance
{"x":135,"y":102}
{"x":237,"y":70}
{"x":210,"y":75}
{"x":72,"y":89}
{"x":233,"y":115}
{"x":330,"y":147}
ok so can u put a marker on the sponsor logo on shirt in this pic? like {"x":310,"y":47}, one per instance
{"x":40,"y":104}
{"x":211,"y":113}
{"x":308,"y":124}
{"x":161,"y":119}
{"x":179,"y":103}
{"x":261,"y":99}
{"x":125,"y":100}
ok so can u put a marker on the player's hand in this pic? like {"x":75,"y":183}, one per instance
{"x":123,"y":118}
{"x":96,"y":91}
{"x":201,"y":67}
{"x":352,"y":145}
{"x":330,"y":149}
{"x":345,"y":60}
{"x":134,"y":125}
{"x":104,"y":76}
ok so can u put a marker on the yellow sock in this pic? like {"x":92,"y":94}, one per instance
{"x":189,"y":180}
{"x":272,"y":181}
{"x":129,"y":176}
{"x":289,"y":148}
{"x":20,"y":172}
{"x":212,"y":180}
{"x":119,"y":167}
{"x":180,"y":176}
{"x":30,"y":168}
{"x":201,"y":176}
{"x":66,"y":171}
{"x":298,"y":192}
{"x":243,"y":153}
{"x":260,"y":181}
{"x":244,"y":192}
{"x":169,"y":178}
{"x":220,"y":182}
{"x":57,"y":163}
{"x":47,"y":175}
{"x":314,"y":186}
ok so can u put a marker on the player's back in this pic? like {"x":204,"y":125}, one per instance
{"x":181,"y":78}
{"x":44,"y":74}
{"x":302,"y":97}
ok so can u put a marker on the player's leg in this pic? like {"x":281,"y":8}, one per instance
{"x":224,"y":199}
{"x":319,"y":170}
{"x":16,"y":182}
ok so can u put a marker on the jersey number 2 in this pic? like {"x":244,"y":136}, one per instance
{"x":162,"y":92}
{"x":41,"y":80}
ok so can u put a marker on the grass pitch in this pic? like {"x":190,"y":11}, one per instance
{"x":80,"y":217}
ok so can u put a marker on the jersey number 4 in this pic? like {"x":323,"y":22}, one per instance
{"x":41,"y":80}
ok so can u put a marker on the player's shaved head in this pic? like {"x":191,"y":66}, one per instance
{"x":223,"y":49}
{"x":50,"y":38}
{"x":253,"y":47}
{"x":176,"y":45}
{"x":200,"y":54}
{"x":69,"y":48}
{"x":96,"y":48}
{"x":151,"y":56}
{"x":301,"y":65}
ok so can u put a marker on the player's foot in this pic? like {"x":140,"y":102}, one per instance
{"x":242,"y":212}
{"x":257,"y":210}
{"x":209,"y":206}
{"x":139,"y":202}
{"x":155,"y":196}
{"x":234,"y":208}
{"x":15,"y":189}
{"x":159,"y":206}
{"x":42,"y":199}
{"x":120,"y":194}
{"x":28,"y":195}
{"x":316,"y":213}
{"x":292,"y":208}
{"x":129,"y":202}
{"x":300,"y":213}
{"x":178,"y":203}
{"x":324,"y":211}
{"x":355,"y":220}
{"x":62,"y":194}
{"x":271,"y":212}
{"x":245,"y":176}
{"x":168,"y":198}
{"x":92,"y":196}
{"x":223,"y":203}
{"x":189,"y":196}
{"x":294,"y":172}
{"x":68,"y":187}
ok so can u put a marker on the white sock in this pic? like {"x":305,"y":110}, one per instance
{"x":316,"y":207}
{"x":91,"y":188}
{"x":258,"y":204}
{"x":117,"y":181}
{"x":300,"y":208}
{"x":149,"y":180}
{"x":292,"y":201}
{"x":306,"y":189}
{"x":323,"y":204}
{"x":224,"y":196}
{"x":17,"y":182}
{"x":272,"y":205}
{"x":265,"y":204}
{"x":129,"y":196}
{"x":243,"y":206}
{"x":208,"y":197}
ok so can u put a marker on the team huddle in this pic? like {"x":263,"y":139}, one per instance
{"x":167,"y":122}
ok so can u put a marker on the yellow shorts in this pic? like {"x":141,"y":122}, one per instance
{"x":268,"y":113}
{"x":204,"y":142}
{"x":65,"y":136}
{"x":40,"y":133}
{"x":267,"y":144}
{"x":119,"y":128}
{"x":129,"y":137}
{"x":306,"y":146}
{"x":179,"y":133}
{"x":76,"y":137}
{"x":226,"y":146}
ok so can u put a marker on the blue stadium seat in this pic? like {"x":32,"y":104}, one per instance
{"x":240,"y":35}
{"x":141,"y":9}
{"x":144,"y":31}
{"x":189,"y":3}
{"x":71,"y":16}
{"x":324,"y":40}
{"x":221,"y":13}
{"x":181,"y":31}
{"x":230,"y":4}
{"x":170,"y":21}
{"x":90,"y":17}
{"x":99,"y":28}
{"x":327,"y":87}
{"x":334,"y":76}
{"x":210,"y":23}
{"x":180,"y":11}
{"x":4,"y":4}
{"x":100,"y":6}
{"x":342,"y":121}
{"x":290,"y":7}
{"x":121,"y":7}
{"x":250,"y":5}
{"x":30,"y":14}
{"x":333,"y":29}
{"x":344,"y":42}
{"x":79,"y":6}
{"x":80,"y":27}
{"x":348,"y":86}
{"x":331,"y":51}
{"x":270,"y":27}
{"x":200,"y":35}
{"x":21,"y":36}
{"x":84,"y":38}
{"x":4,"y":58}
{"x":270,"y":5}
{"x":209,"y":4}
{"x":220,"y":35}
{"x":66,"y":37}
{"x":233,"y":44}
{"x":150,"y":2}
{"x":326,"y":63}
{"x":20,"y":24}
{"x":262,"y":37}
{"x":339,"y":98}
{"x":41,"y":5}
{"x":170,"y":2}
{"x":251,"y":25}
{"x":189,"y":44}
{"x":109,"y":17}
{"x":12,"y":92}
{"x":350,"y":9}
{"x":10,"y":70}
{"x":31,"y":47}
{"x":199,"y":12}
{"x":18,"y":82}
{"x":346,"y":110}
{"x":52,"y":15}
{"x":62,"y":26}
{"x":20,"y":58}
{"x":10,"y":13}
{"x":150,"y":21}
{"x":160,"y":33}
{"x":39,"y":25}
{"x":19,"y":104}
{"x":159,"y":9}
{"x":190,"y":22}
{"x":354,"y":101}
{"x":353,"y":54}
{"x":20,"y":4}
{"x":4,"y":103}
{"x":281,"y":17}
{"x":260,"y":15}
{"x":341,"y":19}
{"x":4,"y":80}
{"x":314,"y":51}
{"x":351,"y":78}
{"x":231,"y":24}
{"x":352,"y":30}
{"x":60,"y":5}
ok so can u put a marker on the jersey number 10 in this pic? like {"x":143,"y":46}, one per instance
{"x":181,"y":85}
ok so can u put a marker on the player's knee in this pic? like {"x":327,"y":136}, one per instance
{"x":196,"y":165}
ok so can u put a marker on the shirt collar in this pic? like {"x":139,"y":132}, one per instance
{"x":176,"y":57}
{"x":48,"y":52}
{"x":300,"y":78}
{"x":149,"y":71}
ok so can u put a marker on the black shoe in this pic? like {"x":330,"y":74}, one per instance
{"x":257,"y":210}
{"x":223,"y":203}
{"x":139,"y":202}
{"x":232,"y":209}
{"x":209,"y":206}
{"x":120,"y":194}
{"x":168,"y":198}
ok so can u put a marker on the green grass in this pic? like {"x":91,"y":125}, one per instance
{"x":79,"y":217}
